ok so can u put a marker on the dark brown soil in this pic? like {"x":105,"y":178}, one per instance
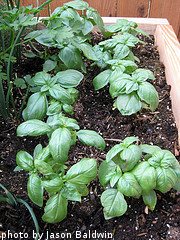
{"x":93,"y":110}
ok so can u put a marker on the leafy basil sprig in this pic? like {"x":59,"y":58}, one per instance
{"x":68,"y":31}
{"x":127,"y":83}
{"x":127,"y":172}
{"x":53,"y":94}
{"x":46,"y":167}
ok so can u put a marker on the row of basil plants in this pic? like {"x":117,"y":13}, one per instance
{"x":130,"y":169}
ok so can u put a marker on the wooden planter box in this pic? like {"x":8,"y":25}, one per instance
{"x":169,"y":50}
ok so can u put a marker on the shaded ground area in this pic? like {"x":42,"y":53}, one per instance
{"x":93,"y":110}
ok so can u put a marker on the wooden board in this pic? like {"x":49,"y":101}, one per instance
{"x":132,"y":8}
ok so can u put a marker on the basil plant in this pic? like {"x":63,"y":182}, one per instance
{"x":47,"y":169}
{"x":67,"y":31}
{"x":127,"y":83}
{"x":132,"y":170}
{"x":52,"y":94}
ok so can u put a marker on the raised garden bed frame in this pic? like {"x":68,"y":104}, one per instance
{"x":169,"y":50}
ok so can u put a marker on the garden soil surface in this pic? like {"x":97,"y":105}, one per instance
{"x":94,"y":110}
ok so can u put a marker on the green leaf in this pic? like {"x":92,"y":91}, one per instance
{"x":74,"y":93}
{"x":128,"y":104}
{"x":49,"y":65}
{"x":166,"y":179}
{"x":59,"y":144}
{"x":148,"y":94}
{"x":114,"y":203}
{"x":82,"y":189}
{"x":25,"y":161}
{"x":36,"y":107}
{"x":70,"y":192}
{"x":55,"y":209}
{"x":130,"y":157}
{"x":122,"y":84}
{"x":91,"y":138}
{"x":150,"y":199}
{"x":88,"y":51}
{"x":162,"y":158}
{"x":30,"y":55}
{"x":33,"y":128}
{"x":129,"y":186}
{"x":106,"y":171}
{"x":88,"y":27}
{"x":44,"y":154}
{"x":102,"y":79}
{"x":145,"y":175}
{"x":128,"y":141}
{"x":68,"y":108}
{"x":71,"y":57}
{"x":78,"y":4}
{"x":142,"y":75}
{"x":43,"y":167}
{"x":37,"y":150}
{"x":69,"y":78}
{"x":35,"y":189}
{"x":114,"y":152}
{"x":53,"y":185}
{"x":42,"y":78}
{"x":121,"y":51}
{"x":60,"y":94}
{"x":19,"y":82}
{"x":82,"y":172}
{"x":146,"y":148}
{"x":115,"y":178}
{"x":98,"y":20}
{"x":54,"y":108}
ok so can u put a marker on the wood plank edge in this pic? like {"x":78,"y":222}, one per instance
{"x":169,"y":49}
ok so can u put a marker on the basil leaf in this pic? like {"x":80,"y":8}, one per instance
{"x":70,"y":192}
{"x":88,"y":27}
{"x":82,"y":172}
{"x":35,"y":189}
{"x":129,"y":186}
{"x":55,"y":209}
{"x":128,"y":141}
{"x":69,"y":78}
{"x":114,"y":179}
{"x":128,"y":104}
{"x":49,"y":65}
{"x":150,"y":199}
{"x":37,"y":150}
{"x":71,"y":57}
{"x":44,"y":154}
{"x":146,"y":148}
{"x":114,"y":152}
{"x":102,"y":79}
{"x":106,"y":171}
{"x":43,"y":167}
{"x":88,"y":51}
{"x":145,"y":175}
{"x":60,"y":94}
{"x":82,"y":189}
{"x":59,"y":144}
{"x":33,"y":128}
{"x":166,"y":179}
{"x":25,"y":161}
{"x":121,"y":51}
{"x":54,"y":108}
{"x":91,"y":138}
{"x":130,"y":157}
{"x":36,"y":107}
{"x":41,"y":79}
{"x":78,"y":4}
{"x":148,"y":93}
{"x":114,"y":203}
{"x":53,"y":185}
{"x":162,"y":158}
